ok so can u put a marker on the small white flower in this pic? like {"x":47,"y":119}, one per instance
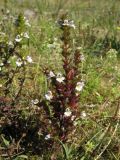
{"x":49,"y":122}
{"x":1,"y":64}
{"x":48,"y":136}
{"x":10,"y":43}
{"x":8,"y":62}
{"x":83,"y":114}
{"x":67,"y":113}
{"x":60,"y":78}
{"x":29,"y":59}
{"x":73,"y":118}
{"x":19,"y":62}
{"x":39,"y":133}
{"x":0,"y":85}
{"x":27,"y":23}
{"x":24,"y":18}
{"x":18,"y":38}
{"x":82,"y":57}
{"x":49,"y":95}
{"x":51,"y":46}
{"x":51,"y":74}
{"x":79,"y":48}
{"x":36,"y":101}
{"x":79,"y":86}
{"x":66,"y":23}
{"x":25,"y":35}
{"x":8,"y":11}
{"x":71,"y":24}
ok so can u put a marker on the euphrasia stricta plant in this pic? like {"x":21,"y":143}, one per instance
{"x":13,"y":62}
{"x":61,"y":102}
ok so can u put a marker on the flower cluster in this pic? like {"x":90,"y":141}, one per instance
{"x":20,"y":62}
{"x":66,"y":23}
{"x":21,"y":36}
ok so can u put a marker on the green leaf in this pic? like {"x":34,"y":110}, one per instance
{"x":6,"y":142}
{"x":66,"y":150}
{"x":21,"y":157}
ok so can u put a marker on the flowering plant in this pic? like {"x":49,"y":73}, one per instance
{"x":12,"y":62}
{"x":62,"y":99}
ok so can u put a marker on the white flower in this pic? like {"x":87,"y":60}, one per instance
{"x":10,"y":43}
{"x":79,"y":86}
{"x":8,"y":62}
{"x":48,"y":136}
{"x":51,"y":74}
{"x":60,"y":78}
{"x":79,"y":48}
{"x":73,"y":118}
{"x":39,"y":133}
{"x":18,"y":38}
{"x":69,"y":23}
{"x":29,"y":59}
{"x":0,"y":85}
{"x":67,"y":113}
{"x":83,"y":114}
{"x":7,"y":11}
{"x":27,"y":23}
{"x":82,"y":57}
{"x":36,"y":101}
{"x":25,"y":35}
{"x":19,"y":62}
{"x":51,"y":46}
{"x":66,"y":23}
{"x":49,"y":95}
{"x":1,"y":64}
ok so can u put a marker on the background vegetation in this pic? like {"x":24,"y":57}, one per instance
{"x":25,"y":132}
